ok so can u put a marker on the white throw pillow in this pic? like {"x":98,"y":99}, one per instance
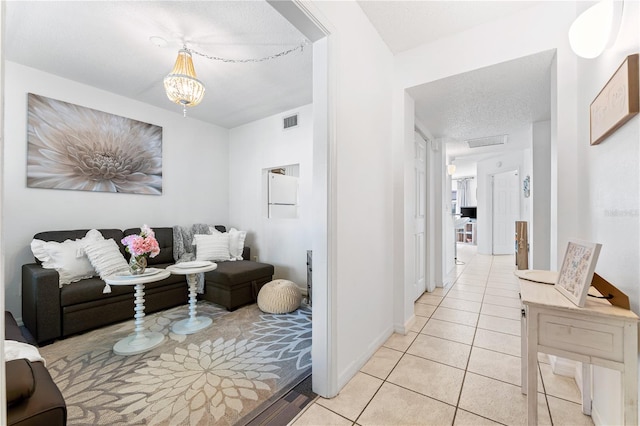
{"x":68,"y":257}
{"x":236,"y":243}
{"x":106,"y":258}
{"x":213,"y":247}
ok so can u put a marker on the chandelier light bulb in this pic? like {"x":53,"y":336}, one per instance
{"x":182,"y":85}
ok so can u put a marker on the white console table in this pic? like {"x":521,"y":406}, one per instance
{"x":598,"y":334}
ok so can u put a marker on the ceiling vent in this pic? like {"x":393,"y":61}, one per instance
{"x":487,"y":141}
{"x":289,"y":122}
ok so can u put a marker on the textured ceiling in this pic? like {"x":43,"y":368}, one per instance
{"x":106,"y":45}
{"x":489,"y":101}
{"x":492,"y":101}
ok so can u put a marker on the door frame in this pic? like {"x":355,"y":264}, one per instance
{"x":490,"y":200}
{"x":313,"y":25}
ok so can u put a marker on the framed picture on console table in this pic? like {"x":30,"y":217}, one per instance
{"x":577,"y":270}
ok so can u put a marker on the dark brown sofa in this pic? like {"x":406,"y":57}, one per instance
{"x":32,"y":396}
{"x":50,"y":312}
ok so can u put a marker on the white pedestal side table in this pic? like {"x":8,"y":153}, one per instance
{"x":141,"y":340}
{"x":191,"y":269}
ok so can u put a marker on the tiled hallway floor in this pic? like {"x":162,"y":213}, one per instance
{"x":459,"y":364}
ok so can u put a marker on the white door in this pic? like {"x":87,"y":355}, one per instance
{"x":506,"y":211}
{"x":420,"y":220}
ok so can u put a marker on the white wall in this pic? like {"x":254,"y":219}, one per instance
{"x":594,"y":190}
{"x":487,"y":45}
{"x":540,"y":185}
{"x":405,"y":296}
{"x":194,"y":163}
{"x":449,"y":227}
{"x":362,"y":177}
{"x":609,"y":193}
{"x":252,"y":148}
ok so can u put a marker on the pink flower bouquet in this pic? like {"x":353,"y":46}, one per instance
{"x":144,"y":244}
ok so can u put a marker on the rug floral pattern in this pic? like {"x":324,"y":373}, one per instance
{"x":219,"y":375}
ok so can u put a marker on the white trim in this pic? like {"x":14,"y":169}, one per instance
{"x":357,"y":365}
{"x":306,"y":17}
{"x":3,"y":379}
{"x":404,"y":329}
{"x":597,"y":418}
{"x":563,"y":367}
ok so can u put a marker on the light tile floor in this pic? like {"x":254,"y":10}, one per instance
{"x":459,"y":364}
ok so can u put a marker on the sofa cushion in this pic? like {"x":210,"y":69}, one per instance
{"x":165,"y":241}
{"x":68,"y":257}
{"x":105,"y":257}
{"x":238,"y":272}
{"x":45,"y":407}
{"x":20,"y":381}
{"x":11,"y":328}
{"x":61,"y":236}
{"x":236,"y":243}
{"x":214,"y":247}
{"x":90,"y":290}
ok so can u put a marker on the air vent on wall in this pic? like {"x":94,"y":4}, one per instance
{"x":289,"y":122}
{"x":487,"y":141}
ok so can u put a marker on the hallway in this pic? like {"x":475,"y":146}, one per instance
{"x":460,"y":363}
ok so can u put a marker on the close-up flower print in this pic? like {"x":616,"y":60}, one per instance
{"x":78,"y":148}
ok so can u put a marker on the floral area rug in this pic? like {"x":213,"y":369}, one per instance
{"x":220,"y":375}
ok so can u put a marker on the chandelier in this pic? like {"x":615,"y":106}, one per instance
{"x":181,"y":85}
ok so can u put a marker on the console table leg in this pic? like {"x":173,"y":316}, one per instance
{"x":532,"y":367}
{"x":630,"y":376}
{"x":586,"y":388}
{"x":523,"y":352}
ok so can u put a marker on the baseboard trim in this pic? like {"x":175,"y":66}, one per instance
{"x":563,"y":366}
{"x":353,"y":369}
{"x":597,"y":419}
{"x":404,"y":329}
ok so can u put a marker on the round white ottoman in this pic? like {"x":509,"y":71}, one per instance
{"x":279,"y":297}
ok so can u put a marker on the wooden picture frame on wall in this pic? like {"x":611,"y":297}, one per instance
{"x":577,"y":270}
{"x":617,"y":102}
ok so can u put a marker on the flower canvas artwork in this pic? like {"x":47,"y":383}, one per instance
{"x":78,"y":148}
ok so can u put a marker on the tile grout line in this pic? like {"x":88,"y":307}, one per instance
{"x":394,"y":367}
{"x":466,"y":368}
{"x":420,"y":331}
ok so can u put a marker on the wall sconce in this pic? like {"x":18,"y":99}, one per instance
{"x":451,"y":169}
{"x":596,"y":28}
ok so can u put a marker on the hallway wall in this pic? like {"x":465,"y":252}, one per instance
{"x":486,"y":45}
{"x":361,"y":184}
{"x":609,"y":193}
{"x":595,"y":191}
